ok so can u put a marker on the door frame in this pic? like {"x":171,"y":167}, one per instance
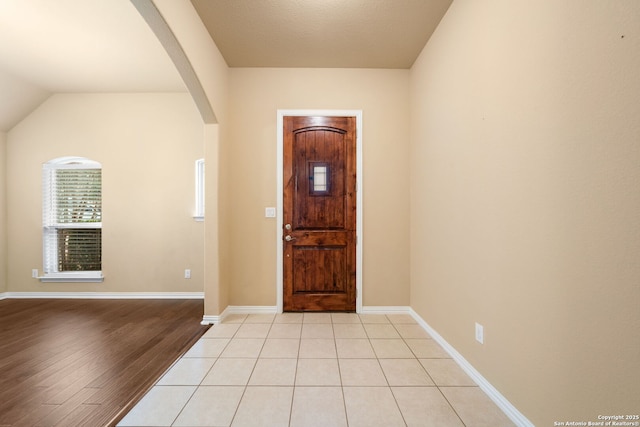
{"x":279,"y":197}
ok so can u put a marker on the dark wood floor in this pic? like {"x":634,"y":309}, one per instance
{"x":86,"y":362}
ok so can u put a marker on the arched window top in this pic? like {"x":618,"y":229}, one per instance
{"x":72,"y":162}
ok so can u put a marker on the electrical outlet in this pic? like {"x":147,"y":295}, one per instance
{"x":34,"y":273}
{"x":479,"y":333}
{"x":187,"y":274}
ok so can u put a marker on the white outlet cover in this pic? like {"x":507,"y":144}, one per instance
{"x":269,"y":212}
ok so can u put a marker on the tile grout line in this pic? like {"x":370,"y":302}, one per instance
{"x":428,"y":374}
{"x":451,"y":406}
{"x":244,"y":390}
{"x":385,"y":375}
{"x":344,"y":401}
{"x":217,"y":359}
{"x":337,"y":358}
{"x":197,"y":386}
{"x":295,"y":375}
{"x":432,"y":379}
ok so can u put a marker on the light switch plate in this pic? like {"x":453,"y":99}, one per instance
{"x":269,"y":212}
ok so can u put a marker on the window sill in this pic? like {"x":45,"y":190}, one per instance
{"x":84,"y":277}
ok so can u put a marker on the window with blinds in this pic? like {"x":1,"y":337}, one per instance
{"x":72,"y":219}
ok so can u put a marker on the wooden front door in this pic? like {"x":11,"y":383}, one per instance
{"x":319,"y":214}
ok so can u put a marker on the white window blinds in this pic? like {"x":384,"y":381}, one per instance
{"x":72,"y":217}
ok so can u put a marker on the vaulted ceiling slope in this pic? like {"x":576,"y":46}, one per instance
{"x":58,"y":46}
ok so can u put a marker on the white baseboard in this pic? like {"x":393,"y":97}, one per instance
{"x":3,"y":295}
{"x":516,"y":416}
{"x":250,"y":309}
{"x":269,"y":309}
{"x":210,"y":320}
{"x":239,"y":309}
{"x":374,"y":309}
{"x":106,"y":295}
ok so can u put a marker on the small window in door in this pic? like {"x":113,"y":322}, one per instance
{"x":319,"y":178}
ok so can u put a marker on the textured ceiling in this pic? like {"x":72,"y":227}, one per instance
{"x":321,"y":33}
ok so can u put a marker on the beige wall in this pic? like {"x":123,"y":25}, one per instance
{"x":147,"y":144}
{"x":524,"y":201}
{"x":3,"y":214}
{"x":248,"y":165}
{"x":212,"y":72}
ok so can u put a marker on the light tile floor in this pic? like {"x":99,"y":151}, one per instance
{"x":316,"y":369}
